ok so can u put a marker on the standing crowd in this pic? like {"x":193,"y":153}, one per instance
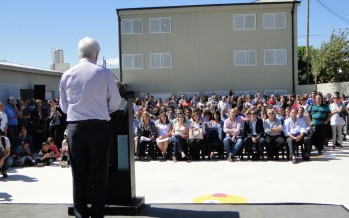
{"x":32,"y":133}
{"x":233,"y":127}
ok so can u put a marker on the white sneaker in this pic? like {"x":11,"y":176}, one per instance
{"x":64,"y":164}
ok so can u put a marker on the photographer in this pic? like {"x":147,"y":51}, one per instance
{"x":24,"y":118}
{"x":55,"y":114}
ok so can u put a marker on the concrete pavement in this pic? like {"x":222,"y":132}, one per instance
{"x":323,"y":180}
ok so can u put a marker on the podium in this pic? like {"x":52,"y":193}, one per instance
{"x":121,"y":188}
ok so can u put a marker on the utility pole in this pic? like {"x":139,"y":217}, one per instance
{"x":307,"y":46}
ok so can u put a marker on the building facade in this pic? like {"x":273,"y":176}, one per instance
{"x":246,"y":48}
{"x":20,"y":81}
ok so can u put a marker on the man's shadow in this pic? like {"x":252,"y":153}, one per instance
{"x":5,"y":197}
{"x":17,"y":177}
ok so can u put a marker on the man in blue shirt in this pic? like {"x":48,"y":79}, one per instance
{"x":273,"y":135}
{"x":311,"y":100}
{"x":12,"y":124}
{"x":88,"y":93}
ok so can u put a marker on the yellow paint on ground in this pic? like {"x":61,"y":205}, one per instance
{"x":219,"y":198}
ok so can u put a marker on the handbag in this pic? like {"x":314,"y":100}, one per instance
{"x":196,"y":132}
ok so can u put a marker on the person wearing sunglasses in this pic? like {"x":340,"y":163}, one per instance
{"x":273,"y":135}
{"x":254,"y":136}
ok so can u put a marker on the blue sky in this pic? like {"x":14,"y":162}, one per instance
{"x":30,"y":29}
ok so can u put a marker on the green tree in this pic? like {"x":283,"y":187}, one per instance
{"x":331,"y":62}
{"x":302,"y":65}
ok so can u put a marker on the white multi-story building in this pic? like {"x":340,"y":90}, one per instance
{"x":244,"y":47}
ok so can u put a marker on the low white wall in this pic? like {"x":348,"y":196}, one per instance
{"x":342,"y":88}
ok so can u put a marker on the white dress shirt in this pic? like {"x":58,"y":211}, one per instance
{"x":295,"y":128}
{"x":88,"y":91}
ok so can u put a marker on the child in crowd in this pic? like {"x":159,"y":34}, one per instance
{"x":46,"y":155}
{"x":64,"y":152}
{"x":53,"y":147}
{"x":23,"y":155}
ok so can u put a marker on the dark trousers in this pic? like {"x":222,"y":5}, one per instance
{"x":293,"y":146}
{"x":274,"y":145}
{"x":254,"y":150}
{"x":195,"y":146}
{"x":318,"y":136}
{"x":88,"y":154}
{"x":7,"y":163}
{"x":180,"y":145}
{"x":142,"y":147}
{"x":12,"y":134}
{"x":55,"y":133}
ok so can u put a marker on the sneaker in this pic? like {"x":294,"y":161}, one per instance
{"x":4,"y":173}
{"x":64,"y":164}
{"x":40,"y":164}
{"x":294,"y":159}
{"x":230,"y":158}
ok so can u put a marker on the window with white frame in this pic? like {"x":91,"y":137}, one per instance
{"x":132,"y":61}
{"x":275,"y":56}
{"x":160,"y":25}
{"x":132,"y":26}
{"x":244,"y":21}
{"x":238,"y":93}
{"x":245,"y":58}
{"x":277,"y":92}
{"x":275,"y":20}
{"x":160,"y":60}
{"x":219,"y":93}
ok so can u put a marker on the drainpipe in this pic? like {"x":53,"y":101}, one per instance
{"x":120,"y":53}
{"x":293,"y":53}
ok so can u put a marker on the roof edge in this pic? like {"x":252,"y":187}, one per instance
{"x":208,"y":5}
{"x":28,"y":69}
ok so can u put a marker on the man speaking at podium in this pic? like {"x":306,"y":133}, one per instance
{"x":88,"y":94}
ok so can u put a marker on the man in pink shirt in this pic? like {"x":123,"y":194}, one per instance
{"x":233,"y":129}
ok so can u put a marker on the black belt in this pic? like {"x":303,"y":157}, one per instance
{"x":87,"y":121}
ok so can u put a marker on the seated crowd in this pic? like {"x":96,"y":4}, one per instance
{"x":30,"y":131}
{"x":233,"y":127}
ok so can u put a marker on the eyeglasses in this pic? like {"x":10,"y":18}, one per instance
{"x":271,"y":113}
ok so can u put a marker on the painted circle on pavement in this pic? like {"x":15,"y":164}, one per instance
{"x":219,"y":198}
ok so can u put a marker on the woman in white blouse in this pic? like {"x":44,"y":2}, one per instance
{"x":337,"y":121}
{"x":164,"y":129}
